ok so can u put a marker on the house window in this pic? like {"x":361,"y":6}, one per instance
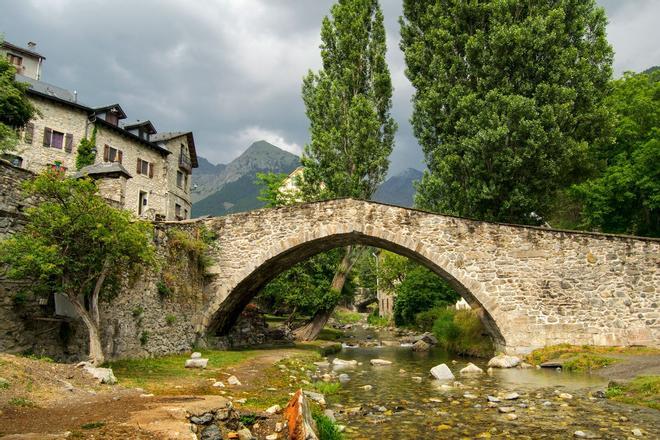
{"x":112,"y":118}
{"x":185,"y":213}
{"x":177,"y":211}
{"x":180,"y":179}
{"x":59,"y":140}
{"x":111,"y":154}
{"x":145,"y":168}
{"x":15,"y":59}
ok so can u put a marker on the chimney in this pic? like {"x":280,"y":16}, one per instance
{"x":31,"y":45}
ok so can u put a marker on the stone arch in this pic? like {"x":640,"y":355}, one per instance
{"x":234,"y":294}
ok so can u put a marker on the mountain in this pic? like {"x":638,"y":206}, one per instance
{"x":224,"y":189}
{"x":399,"y":189}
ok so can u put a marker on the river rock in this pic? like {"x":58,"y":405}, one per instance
{"x":322,"y":364}
{"x":103,"y":375}
{"x":233,"y":380}
{"x":380,"y":362}
{"x":274,"y":409}
{"x":471,"y":369}
{"x":196,"y":363}
{"x":316,"y":397}
{"x":504,"y":361}
{"x":511,"y":396}
{"x":492,"y":399}
{"x":366,"y":387}
{"x":204,"y":419}
{"x":565,"y":396}
{"x":637,"y":432}
{"x":218,"y":384}
{"x":429,"y":338}
{"x":442,"y":372}
{"x":211,"y":432}
{"x":511,"y":416}
{"x":506,"y":409}
{"x":343,"y":378}
{"x":343,"y":363}
{"x":585,"y":434}
{"x":416,"y":379}
{"x":272,"y":436}
{"x":245,"y":434}
{"x":196,"y":355}
{"x":421,"y":346}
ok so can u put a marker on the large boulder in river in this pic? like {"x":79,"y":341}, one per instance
{"x":342,"y":363}
{"x":442,"y":372}
{"x":429,"y":338}
{"x":471,"y":369}
{"x":421,"y":346}
{"x":504,"y":361}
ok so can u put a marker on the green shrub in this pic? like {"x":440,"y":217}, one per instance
{"x":4,"y":384}
{"x":170,"y":319}
{"x":327,"y":429}
{"x":378,"y":321}
{"x":144,"y":338}
{"x":163,"y":289}
{"x":346,"y":317}
{"x":93,"y":425}
{"x":248,"y":419}
{"x":425,"y":320}
{"x":19,"y":298}
{"x":138,"y":311}
{"x":462,"y":332}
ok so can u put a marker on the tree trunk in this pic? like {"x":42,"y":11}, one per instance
{"x":94,"y":298}
{"x":96,"y":356}
{"x":310,"y":330}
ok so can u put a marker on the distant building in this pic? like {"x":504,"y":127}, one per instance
{"x":135,"y":167}
{"x":26,"y":61}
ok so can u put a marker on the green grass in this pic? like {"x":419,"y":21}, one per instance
{"x":161,"y":374}
{"x":567,"y":351}
{"x":643,"y":390}
{"x":327,"y":388}
{"x":21,"y":401}
{"x":4,"y":384}
{"x":585,"y":362}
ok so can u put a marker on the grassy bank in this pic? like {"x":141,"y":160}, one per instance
{"x":643,"y":390}
{"x":586,"y":358}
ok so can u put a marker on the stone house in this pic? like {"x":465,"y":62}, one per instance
{"x":26,"y":61}
{"x":135,"y":167}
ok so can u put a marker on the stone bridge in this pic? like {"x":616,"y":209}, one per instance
{"x":532,"y":286}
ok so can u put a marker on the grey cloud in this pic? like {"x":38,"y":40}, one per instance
{"x":230,"y":69}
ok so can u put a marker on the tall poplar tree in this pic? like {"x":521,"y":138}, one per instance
{"x":509,"y":97}
{"x":348,"y":104}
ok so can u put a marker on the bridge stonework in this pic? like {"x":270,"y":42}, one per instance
{"x":532,"y":286}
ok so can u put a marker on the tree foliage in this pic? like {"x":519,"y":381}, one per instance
{"x":86,"y":154}
{"x":348,"y":105}
{"x":75,"y":244}
{"x":15,"y":108}
{"x":509,"y":96}
{"x":271,"y":191}
{"x":624,"y":196}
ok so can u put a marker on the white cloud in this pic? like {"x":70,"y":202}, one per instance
{"x":248,"y":135}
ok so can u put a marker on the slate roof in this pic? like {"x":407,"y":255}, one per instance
{"x":101,"y":169}
{"x":47,"y":89}
{"x":15,"y":48}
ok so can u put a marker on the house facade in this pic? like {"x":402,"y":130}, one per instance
{"x":135,"y":167}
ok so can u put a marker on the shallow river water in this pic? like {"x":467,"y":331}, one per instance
{"x":400,"y":405}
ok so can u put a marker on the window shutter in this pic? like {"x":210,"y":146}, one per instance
{"x":139,"y":165}
{"x":119,"y":156}
{"x":151,"y":170}
{"x":68,"y":143}
{"x":29,"y":133}
{"x":106,"y":153}
{"x":47,"y":135}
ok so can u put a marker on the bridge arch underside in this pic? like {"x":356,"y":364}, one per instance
{"x":244,"y":291}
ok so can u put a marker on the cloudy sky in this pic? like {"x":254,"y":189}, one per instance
{"x":231,"y":70}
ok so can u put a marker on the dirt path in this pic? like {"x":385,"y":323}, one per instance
{"x":85,"y":409}
{"x":630,"y":366}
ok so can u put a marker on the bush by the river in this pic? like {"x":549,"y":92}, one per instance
{"x":461,"y":331}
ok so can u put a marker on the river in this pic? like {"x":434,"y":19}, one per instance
{"x":402,"y":401}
